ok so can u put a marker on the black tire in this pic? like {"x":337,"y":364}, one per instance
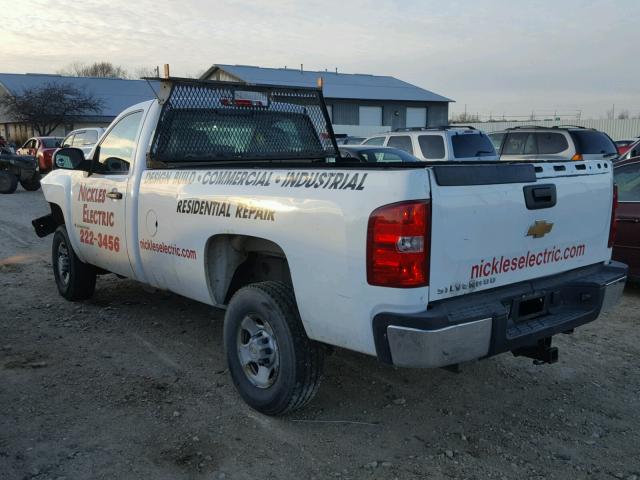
{"x":75,"y":280}
{"x":8,"y":182}
{"x":32,"y":184}
{"x":299,"y":359}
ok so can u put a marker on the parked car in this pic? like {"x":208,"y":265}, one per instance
{"x":553,"y":143}
{"x":632,"y":151}
{"x":373,"y":154}
{"x":83,"y":138}
{"x":623,"y":145}
{"x":349,"y":140}
{"x":449,"y":142}
{"x":626,"y":248}
{"x":42,"y":148}
{"x":16,"y":169}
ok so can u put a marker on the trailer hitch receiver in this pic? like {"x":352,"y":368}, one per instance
{"x":541,"y":353}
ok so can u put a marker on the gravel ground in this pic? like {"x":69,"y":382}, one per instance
{"x":133,"y":384}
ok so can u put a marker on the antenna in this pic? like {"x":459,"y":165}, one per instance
{"x":153,"y":89}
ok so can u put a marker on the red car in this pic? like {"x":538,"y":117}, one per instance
{"x":42,"y":148}
{"x":626,"y":248}
{"x":623,"y":146}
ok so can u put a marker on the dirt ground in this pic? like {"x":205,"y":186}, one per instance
{"x":133,"y":385}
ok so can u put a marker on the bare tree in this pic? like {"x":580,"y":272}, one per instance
{"x":46,"y":107}
{"x":464,"y":118}
{"x":623,"y":115}
{"x":146,"y":72}
{"x":95,"y":69}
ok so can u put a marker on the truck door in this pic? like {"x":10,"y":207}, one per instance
{"x":627,"y":244}
{"x":100,"y":200}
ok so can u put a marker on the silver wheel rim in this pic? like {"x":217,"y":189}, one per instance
{"x":63,"y":262}
{"x":257,"y":351}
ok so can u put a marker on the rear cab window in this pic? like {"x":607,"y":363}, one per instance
{"x":593,"y":142}
{"x":472,"y":145}
{"x":403,"y":142}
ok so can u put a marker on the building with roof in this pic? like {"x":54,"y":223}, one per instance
{"x":358,"y":104}
{"x":116,"y":95}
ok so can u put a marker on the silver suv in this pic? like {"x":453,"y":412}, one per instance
{"x":450,"y":142}
{"x":83,"y":138}
{"x":553,"y":143}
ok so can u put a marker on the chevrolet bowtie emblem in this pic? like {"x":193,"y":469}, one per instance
{"x":539,"y":229}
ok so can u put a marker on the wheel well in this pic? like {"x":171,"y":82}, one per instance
{"x":57,"y":214}
{"x":234,"y":261}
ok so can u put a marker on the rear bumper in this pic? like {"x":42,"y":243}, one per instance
{"x":481,"y":324}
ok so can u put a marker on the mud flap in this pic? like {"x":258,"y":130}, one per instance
{"x":44,"y":225}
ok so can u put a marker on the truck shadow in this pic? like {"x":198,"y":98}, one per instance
{"x":356,"y":386}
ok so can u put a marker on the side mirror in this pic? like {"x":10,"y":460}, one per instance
{"x":71,"y":159}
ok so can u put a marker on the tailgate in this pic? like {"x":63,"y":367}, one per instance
{"x":486,"y":234}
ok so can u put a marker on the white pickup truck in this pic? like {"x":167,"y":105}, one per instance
{"x":234,"y":195}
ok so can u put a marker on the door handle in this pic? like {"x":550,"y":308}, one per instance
{"x":114,"y":195}
{"x":629,"y":219}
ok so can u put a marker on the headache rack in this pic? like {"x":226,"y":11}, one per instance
{"x":209,"y":121}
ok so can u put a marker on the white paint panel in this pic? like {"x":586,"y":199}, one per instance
{"x":416,"y":117}
{"x":371,"y":116}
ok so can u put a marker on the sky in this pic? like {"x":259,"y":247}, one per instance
{"x":493,"y":57}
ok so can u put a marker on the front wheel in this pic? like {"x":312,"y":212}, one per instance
{"x":76,"y":280}
{"x":274,"y":365}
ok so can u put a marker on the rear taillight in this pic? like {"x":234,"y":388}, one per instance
{"x":398,"y":241}
{"x":613,"y":227}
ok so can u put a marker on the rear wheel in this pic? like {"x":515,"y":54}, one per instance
{"x":8,"y":182}
{"x":274,"y":365}
{"x":76,"y":280}
{"x":32,"y":184}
